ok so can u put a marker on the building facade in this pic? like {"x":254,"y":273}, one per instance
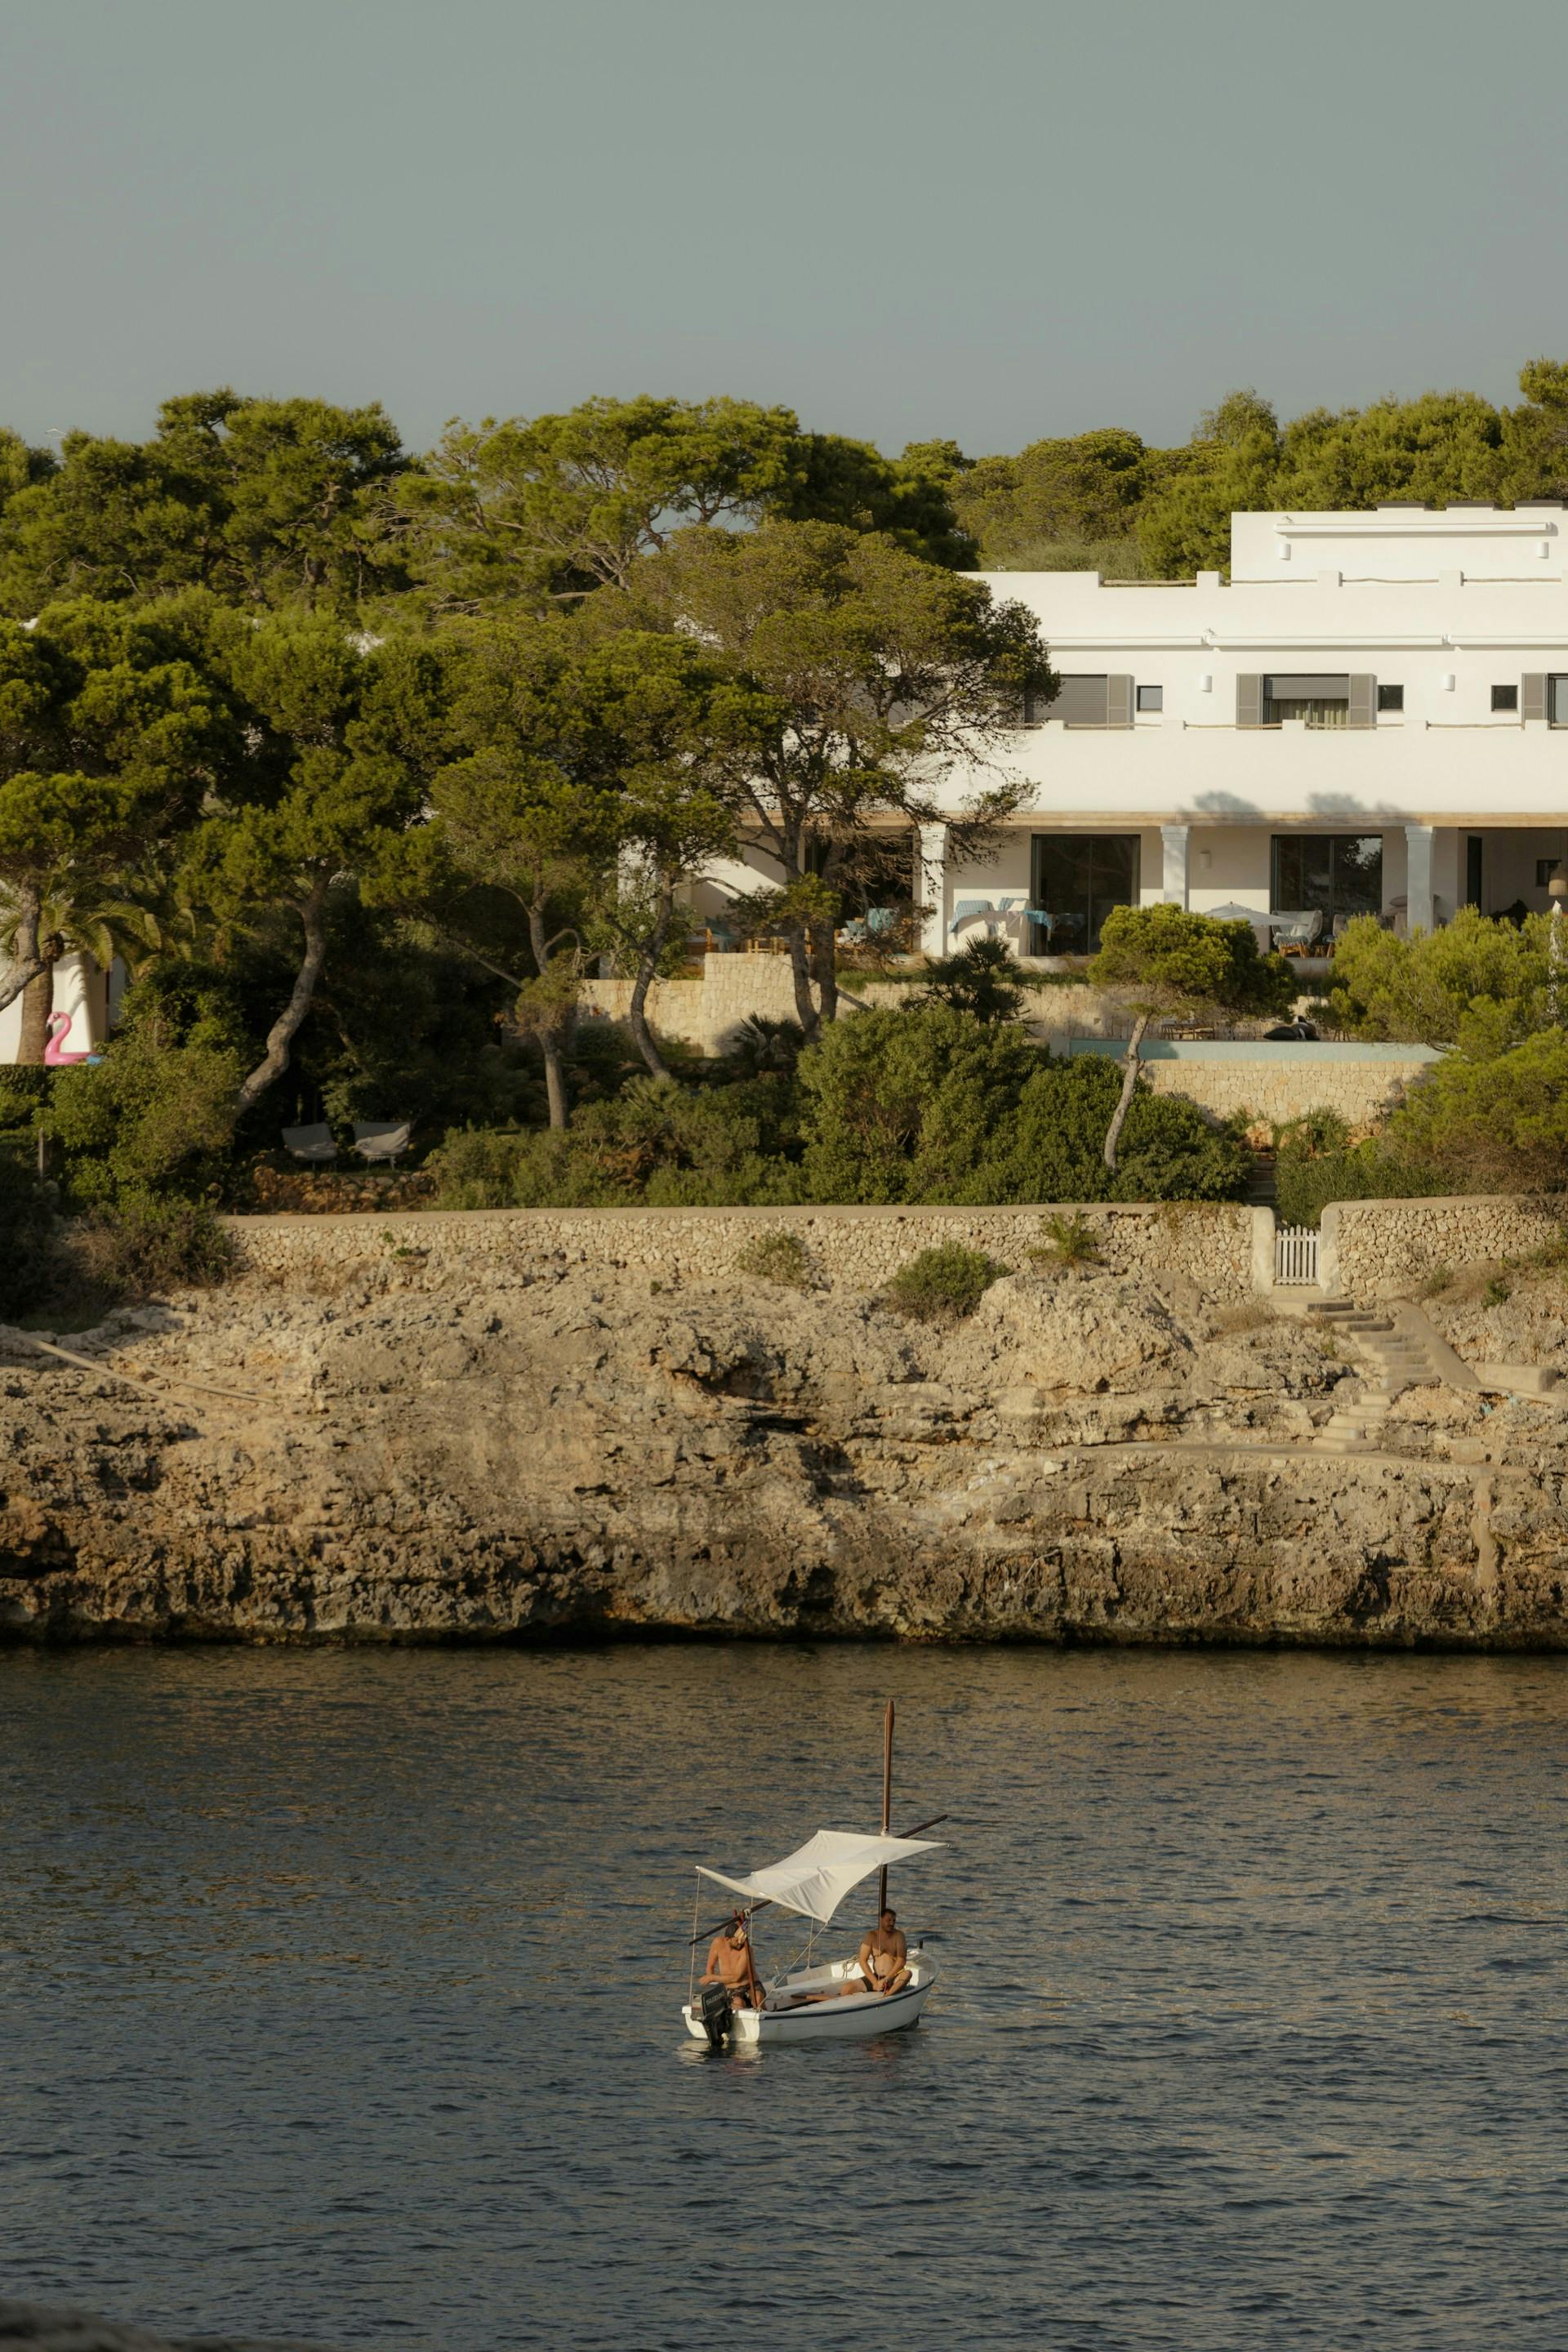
{"x":1370,"y":716}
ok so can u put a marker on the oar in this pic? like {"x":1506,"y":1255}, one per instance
{"x":751,"y":1908}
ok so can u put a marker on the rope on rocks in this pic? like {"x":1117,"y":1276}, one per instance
{"x":137,"y":1379}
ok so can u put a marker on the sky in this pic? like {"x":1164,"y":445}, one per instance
{"x":987,"y":220}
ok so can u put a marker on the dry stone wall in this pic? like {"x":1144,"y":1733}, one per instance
{"x":1271,"y":1093}
{"x":849,"y":1250}
{"x":1379,"y":1249}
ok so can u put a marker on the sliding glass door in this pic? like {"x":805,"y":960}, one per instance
{"x":1078,"y":878}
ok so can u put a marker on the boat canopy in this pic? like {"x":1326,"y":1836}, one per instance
{"x":816,"y":1877}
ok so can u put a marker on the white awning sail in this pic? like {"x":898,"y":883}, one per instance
{"x":816,"y":1877}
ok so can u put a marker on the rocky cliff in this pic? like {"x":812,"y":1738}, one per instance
{"x":415,"y":1454}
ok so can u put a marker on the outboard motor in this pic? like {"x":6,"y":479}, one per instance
{"x":717,"y":2014}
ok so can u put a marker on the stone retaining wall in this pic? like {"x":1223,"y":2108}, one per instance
{"x":852,"y":1250}
{"x":1379,"y":1249}
{"x":1360,"y":1087}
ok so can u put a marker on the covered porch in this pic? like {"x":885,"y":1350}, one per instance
{"x":1050,"y":888}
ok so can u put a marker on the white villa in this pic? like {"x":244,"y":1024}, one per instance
{"x":1363,"y":720}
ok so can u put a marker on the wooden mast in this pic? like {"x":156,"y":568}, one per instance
{"x":887,"y":1801}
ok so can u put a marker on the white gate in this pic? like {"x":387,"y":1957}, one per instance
{"x":1295,"y":1254}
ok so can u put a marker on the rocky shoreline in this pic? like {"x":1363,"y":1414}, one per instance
{"x":46,"y":2327}
{"x":417,"y":1454}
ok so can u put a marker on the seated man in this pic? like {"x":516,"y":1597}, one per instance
{"x":730,"y":1963}
{"x":883,"y":1958}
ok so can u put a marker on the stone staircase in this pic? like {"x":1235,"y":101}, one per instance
{"x":1400,"y":1351}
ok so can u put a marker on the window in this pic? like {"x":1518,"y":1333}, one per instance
{"x":1391,"y":698}
{"x":1557,"y":700}
{"x":1545,"y":868}
{"x":1082,"y":701}
{"x":1505,"y":698}
{"x":1331,"y":874}
{"x":1078,"y":877}
{"x":1151,"y":698}
{"x":1321,"y":699}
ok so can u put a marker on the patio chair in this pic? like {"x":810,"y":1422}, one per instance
{"x":1297,"y":936}
{"x":881,"y":921}
{"x":381,"y":1138}
{"x":309,"y":1142}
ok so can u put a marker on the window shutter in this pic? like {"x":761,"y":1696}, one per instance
{"x":1118,"y":701}
{"x":1249,"y":702}
{"x":1362,"y":711}
{"x":1532,"y":695}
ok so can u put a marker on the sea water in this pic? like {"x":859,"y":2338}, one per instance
{"x":340,"y":1993}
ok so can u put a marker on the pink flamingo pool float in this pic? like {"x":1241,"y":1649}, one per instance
{"x":55,"y":1054}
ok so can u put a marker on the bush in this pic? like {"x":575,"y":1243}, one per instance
{"x":1424,"y":989}
{"x":932,"y":1105}
{"x":28,"y":1226}
{"x":905,"y":1105}
{"x":155,"y":1117}
{"x":1493,"y":1125}
{"x":982,"y":979}
{"x":942,"y":1285}
{"x":654,"y":1143}
{"x":1305,"y":1184}
{"x":142,"y":1247}
{"x":1069,"y":1241}
{"x":777,"y":1257}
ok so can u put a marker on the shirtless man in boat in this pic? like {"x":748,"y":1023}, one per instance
{"x":883,"y":1956}
{"x":730,"y":1963}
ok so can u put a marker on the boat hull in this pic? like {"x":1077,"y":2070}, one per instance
{"x":853,"y":2017}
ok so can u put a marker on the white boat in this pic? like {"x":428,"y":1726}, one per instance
{"x":813,"y":1882}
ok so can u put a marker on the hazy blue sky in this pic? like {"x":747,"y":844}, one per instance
{"x":991,"y":219}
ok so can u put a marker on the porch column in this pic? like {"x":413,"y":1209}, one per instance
{"x":1418,"y":878}
{"x":1173,"y":841}
{"x":934,"y":889}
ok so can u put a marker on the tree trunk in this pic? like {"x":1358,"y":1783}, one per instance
{"x":823,"y":954}
{"x":38,"y":1005}
{"x":548,"y":1033}
{"x":648,"y":963}
{"x":28,"y":964}
{"x":280,"y":1037}
{"x":800,"y":967}
{"x":554,"y":1076}
{"x":1128,"y":1083}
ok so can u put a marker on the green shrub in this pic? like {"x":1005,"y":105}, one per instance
{"x":1425,"y":988}
{"x":1493,"y":1123}
{"x":1069,"y":1241}
{"x":780,"y":1257}
{"x":29,"y":1268}
{"x":151,"y":1119}
{"x":942,"y":1285}
{"x":1305,"y":1186}
{"x":932,"y":1105}
{"x":140,"y":1248}
{"x":654,"y":1143}
{"x":982,"y":979}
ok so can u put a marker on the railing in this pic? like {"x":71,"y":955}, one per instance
{"x":1296,"y":1256}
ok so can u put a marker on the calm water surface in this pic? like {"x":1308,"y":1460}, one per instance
{"x":338,"y":1998}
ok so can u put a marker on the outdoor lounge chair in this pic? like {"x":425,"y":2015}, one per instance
{"x":1296,"y":935}
{"x":309,"y":1142}
{"x":381,"y":1138}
